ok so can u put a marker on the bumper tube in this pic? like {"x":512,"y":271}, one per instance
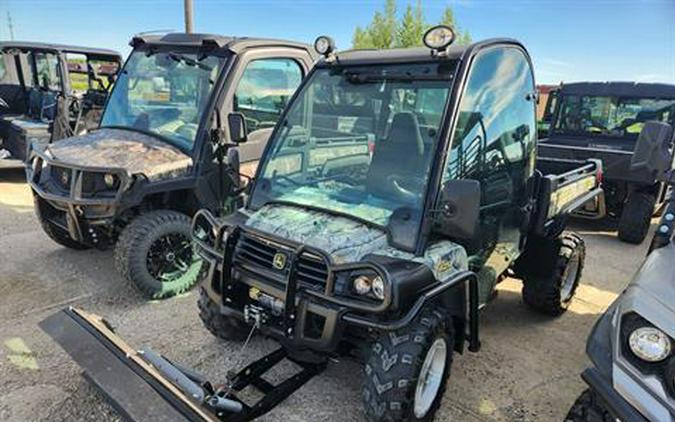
{"x":616,"y":404}
{"x":135,"y":388}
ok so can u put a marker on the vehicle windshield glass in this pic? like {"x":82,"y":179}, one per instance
{"x":163,"y":93}
{"x":619,"y":117}
{"x":358,"y":141}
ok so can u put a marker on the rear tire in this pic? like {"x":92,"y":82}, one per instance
{"x":154,"y":252}
{"x":61,"y":236}
{"x":221,"y":326}
{"x":587,"y":408}
{"x":396,"y":361}
{"x":636,"y":217}
{"x":550,"y":288}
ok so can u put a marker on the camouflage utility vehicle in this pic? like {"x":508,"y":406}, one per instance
{"x":49,"y":92}
{"x":162,"y":151}
{"x":398,"y":189}
{"x":603,"y":120}
{"x":632,"y":346}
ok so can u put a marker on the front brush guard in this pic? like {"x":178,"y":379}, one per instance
{"x":145,"y":386}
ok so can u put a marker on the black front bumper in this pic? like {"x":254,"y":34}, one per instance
{"x":617,"y":405}
{"x":317,"y":318}
{"x":84,"y":216}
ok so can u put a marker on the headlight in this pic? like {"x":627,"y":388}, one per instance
{"x":378,"y":287}
{"x":649,"y":344}
{"x":439,"y":37}
{"x":369,"y":285}
{"x":362,"y":285}
{"x":109,"y":180}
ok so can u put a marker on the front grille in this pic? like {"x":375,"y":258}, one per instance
{"x":257,"y":256}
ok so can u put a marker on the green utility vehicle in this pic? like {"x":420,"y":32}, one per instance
{"x":398,"y":188}
{"x":162,"y":151}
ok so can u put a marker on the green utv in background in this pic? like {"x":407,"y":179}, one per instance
{"x":162,"y":151}
{"x":632,"y":345}
{"x":602,"y":120}
{"x":49,"y":92}
{"x":398,"y":188}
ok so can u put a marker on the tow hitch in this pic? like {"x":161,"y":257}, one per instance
{"x":144,"y":385}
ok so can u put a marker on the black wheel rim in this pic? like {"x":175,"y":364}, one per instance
{"x":169,"y":257}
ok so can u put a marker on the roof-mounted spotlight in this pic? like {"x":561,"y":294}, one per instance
{"x":324,"y":45}
{"x":438,"y":38}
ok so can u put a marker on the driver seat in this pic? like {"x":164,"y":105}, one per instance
{"x":400,"y":154}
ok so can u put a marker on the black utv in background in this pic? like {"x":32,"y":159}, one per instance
{"x":49,"y":92}
{"x":603,"y":120}
{"x":399,"y":187}
{"x":162,"y":151}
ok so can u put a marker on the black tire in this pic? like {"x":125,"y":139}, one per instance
{"x":221,"y":326}
{"x":136,"y":261}
{"x":587,"y":408}
{"x":393,"y":367}
{"x":636,"y":217}
{"x":61,"y":236}
{"x":550,"y":288}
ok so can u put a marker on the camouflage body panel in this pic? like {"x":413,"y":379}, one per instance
{"x":118,"y":148}
{"x":348,"y":241}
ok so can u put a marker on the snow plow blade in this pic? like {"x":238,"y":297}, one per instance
{"x":135,"y":388}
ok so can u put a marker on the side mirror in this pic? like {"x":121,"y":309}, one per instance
{"x":237,"y":124}
{"x":652,"y":152}
{"x":459,"y":209}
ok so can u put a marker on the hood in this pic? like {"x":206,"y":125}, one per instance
{"x":134,"y":152}
{"x":656,"y":277}
{"x":347,"y":241}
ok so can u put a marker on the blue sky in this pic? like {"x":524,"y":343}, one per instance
{"x":568,"y":39}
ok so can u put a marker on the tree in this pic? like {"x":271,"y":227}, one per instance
{"x":448,"y":18}
{"x":411,"y":28}
{"x":385,"y":31}
{"x":381,"y":32}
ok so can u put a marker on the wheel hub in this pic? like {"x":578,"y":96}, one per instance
{"x":430,"y":377}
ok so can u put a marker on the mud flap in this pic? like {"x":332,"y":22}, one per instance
{"x":135,"y":388}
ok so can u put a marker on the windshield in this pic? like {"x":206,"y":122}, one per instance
{"x":358,"y":141}
{"x":611,"y":116}
{"x":164,"y":94}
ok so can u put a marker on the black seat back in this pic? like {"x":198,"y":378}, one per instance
{"x":400,"y":154}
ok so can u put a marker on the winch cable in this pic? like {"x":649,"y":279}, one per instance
{"x":238,"y":360}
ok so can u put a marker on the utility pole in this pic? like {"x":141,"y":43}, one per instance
{"x":188,"y":16}
{"x":11,"y":26}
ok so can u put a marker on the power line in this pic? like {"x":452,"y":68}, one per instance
{"x":11,"y":26}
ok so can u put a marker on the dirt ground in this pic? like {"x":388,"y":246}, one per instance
{"x":528,"y":369}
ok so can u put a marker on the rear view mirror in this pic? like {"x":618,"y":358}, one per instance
{"x":459,"y":209}
{"x":237,"y":125}
{"x":653,"y":150}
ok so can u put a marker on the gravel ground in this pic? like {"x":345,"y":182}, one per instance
{"x":528,"y":369}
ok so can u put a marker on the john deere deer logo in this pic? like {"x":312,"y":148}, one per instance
{"x":279,"y":261}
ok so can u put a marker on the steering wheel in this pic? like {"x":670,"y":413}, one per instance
{"x":397,"y":184}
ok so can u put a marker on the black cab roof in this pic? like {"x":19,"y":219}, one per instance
{"x":414,"y":54}
{"x":226,"y":43}
{"x":60,"y":48}
{"x":620,"y":89}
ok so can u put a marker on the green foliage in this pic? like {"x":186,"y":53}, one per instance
{"x":386,"y":31}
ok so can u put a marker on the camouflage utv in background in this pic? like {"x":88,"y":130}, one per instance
{"x":163,"y":151}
